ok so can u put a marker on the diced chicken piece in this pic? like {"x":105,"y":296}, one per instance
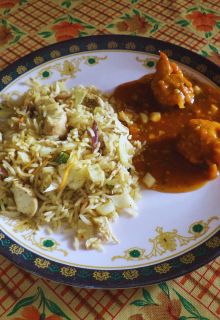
{"x":200,"y":142}
{"x":55,"y":121}
{"x":169,"y":85}
{"x":25,"y":200}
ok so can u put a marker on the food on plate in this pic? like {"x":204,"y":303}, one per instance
{"x":178,"y":119}
{"x":169,"y":85}
{"x":66,"y":160}
{"x":70,"y":159}
{"x":25,"y":199}
{"x":199,"y":142}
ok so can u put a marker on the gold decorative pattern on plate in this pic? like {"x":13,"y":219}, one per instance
{"x":163,"y":268}
{"x":150,"y":48}
{"x":92,"y":46}
{"x":130,"y":45}
{"x":15,"y":249}
{"x":28,"y":231}
{"x":6,"y":79}
{"x":21,"y":69}
{"x":213,"y":243}
{"x":101,"y":275}
{"x":167,"y":241}
{"x":131,"y":274}
{"x":112,"y":45}
{"x":188,"y":258}
{"x":55,"y":54}
{"x":74,"y":48}
{"x":147,"y":62}
{"x":38,"y":60}
{"x":68,"y":271}
{"x":41,"y":263}
{"x":68,"y":68}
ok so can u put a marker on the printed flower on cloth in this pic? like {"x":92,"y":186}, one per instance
{"x":66,"y":27}
{"x":7,"y":5}
{"x":66,"y":30}
{"x":162,"y":304}
{"x":25,"y":309}
{"x":134,"y":22}
{"x":9,"y":34}
{"x":167,"y":309}
{"x":5,"y":35}
{"x":201,"y":20}
{"x":31,"y":313}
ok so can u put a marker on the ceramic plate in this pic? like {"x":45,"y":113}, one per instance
{"x":173,"y":233}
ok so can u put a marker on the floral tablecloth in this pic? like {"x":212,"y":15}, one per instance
{"x":27,"y":25}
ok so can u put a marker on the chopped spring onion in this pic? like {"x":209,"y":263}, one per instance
{"x":62,"y":158}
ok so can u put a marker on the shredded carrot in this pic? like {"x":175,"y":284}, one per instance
{"x":29,"y":164}
{"x":66,"y":174}
{"x":21,"y":120}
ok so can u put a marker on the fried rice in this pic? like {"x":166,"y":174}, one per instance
{"x":66,"y":161}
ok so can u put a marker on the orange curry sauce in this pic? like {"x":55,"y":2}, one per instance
{"x":173,"y":173}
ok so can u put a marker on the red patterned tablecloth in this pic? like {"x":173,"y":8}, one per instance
{"x":27,"y":25}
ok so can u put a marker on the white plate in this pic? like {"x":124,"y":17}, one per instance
{"x":172,"y":234}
